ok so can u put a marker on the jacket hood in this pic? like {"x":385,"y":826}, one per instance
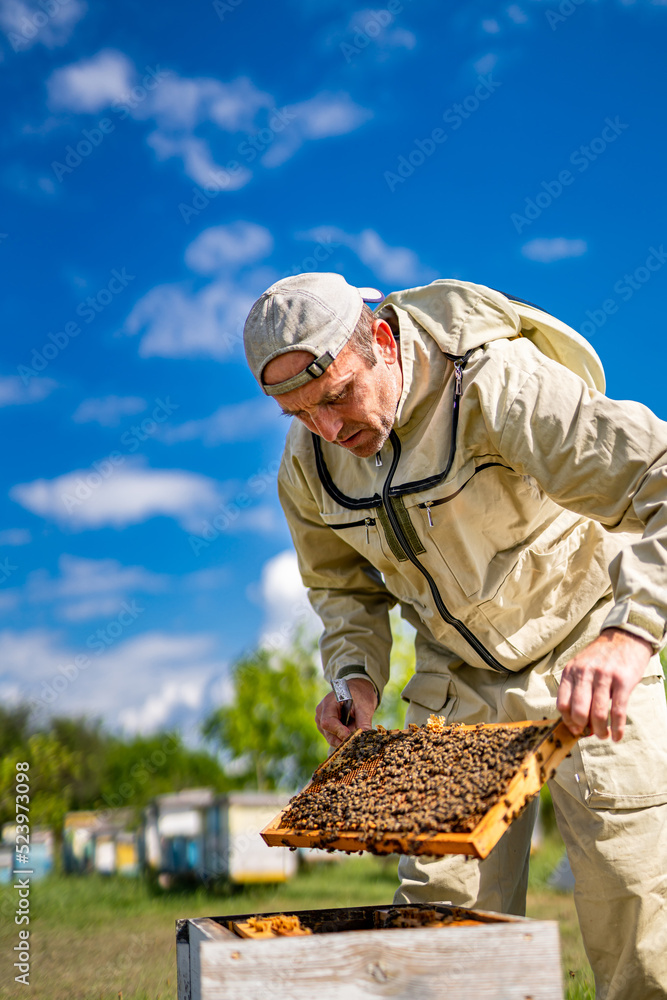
{"x":461,"y":316}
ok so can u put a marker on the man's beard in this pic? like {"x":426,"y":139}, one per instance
{"x":374,"y":438}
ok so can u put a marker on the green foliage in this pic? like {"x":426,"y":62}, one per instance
{"x":145,"y":766}
{"x":391,"y":712}
{"x":268,"y":729}
{"x":76,"y":764}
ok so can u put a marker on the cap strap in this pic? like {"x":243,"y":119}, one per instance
{"x":315,"y":369}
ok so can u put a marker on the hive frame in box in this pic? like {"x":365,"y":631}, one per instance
{"x":539,"y":765}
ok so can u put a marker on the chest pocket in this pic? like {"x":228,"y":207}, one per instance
{"x":480,"y":529}
{"x":363,"y":531}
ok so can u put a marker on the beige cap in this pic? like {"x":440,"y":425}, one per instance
{"x":314,"y":312}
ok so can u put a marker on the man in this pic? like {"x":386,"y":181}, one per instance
{"x":454,"y":452}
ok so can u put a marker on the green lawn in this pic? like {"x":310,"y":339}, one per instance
{"x":95,"y":938}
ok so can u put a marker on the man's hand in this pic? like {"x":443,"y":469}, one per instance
{"x":327,"y":714}
{"x":606,"y":671}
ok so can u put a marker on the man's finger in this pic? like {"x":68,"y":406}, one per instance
{"x":580,"y":703}
{"x":620,"y":697}
{"x":333,"y":730}
{"x":600,"y":706}
{"x":564,"y":698}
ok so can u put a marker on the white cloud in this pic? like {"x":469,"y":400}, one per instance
{"x":321,"y":117}
{"x":486,"y":63}
{"x":159,"y":707}
{"x":90,"y":588}
{"x":130,"y":495}
{"x":27,"y":23}
{"x":285,"y":601}
{"x":13,"y":390}
{"x":376,"y":27}
{"x":143,"y":682}
{"x":184,"y":321}
{"x":15,"y":536}
{"x":517,"y":14}
{"x":234,"y":422}
{"x":192,"y":116}
{"x":262,"y":519}
{"x":107,"y":410}
{"x":182,"y":103}
{"x":491,"y":26}
{"x":91,"y":85}
{"x":177,"y":322}
{"x":198,"y":162}
{"x":401,"y":38}
{"x":546,"y":251}
{"x":233,"y":246}
{"x":396,"y":265}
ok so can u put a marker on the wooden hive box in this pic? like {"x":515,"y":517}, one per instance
{"x":531,"y":773}
{"x":489,"y":956}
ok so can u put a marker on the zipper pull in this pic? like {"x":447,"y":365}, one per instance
{"x":378,"y":460}
{"x":458,"y":375}
{"x":428,"y":504}
{"x":368,"y":521}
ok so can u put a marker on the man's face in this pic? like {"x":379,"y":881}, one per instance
{"x":352,"y":404}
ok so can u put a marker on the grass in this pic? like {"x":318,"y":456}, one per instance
{"x":96,"y":938}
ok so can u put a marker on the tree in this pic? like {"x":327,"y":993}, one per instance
{"x":268,"y":729}
{"x":391,"y":712}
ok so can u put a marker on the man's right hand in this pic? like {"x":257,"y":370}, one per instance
{"x":364,"y":703}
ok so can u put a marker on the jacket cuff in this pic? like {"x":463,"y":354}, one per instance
{"x":639,"y":620}
{"x":357,"y":670}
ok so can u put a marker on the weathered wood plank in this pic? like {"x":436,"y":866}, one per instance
{"x":505,"y":961}
{"x":183,"y":961}
{"x":205,"y":932}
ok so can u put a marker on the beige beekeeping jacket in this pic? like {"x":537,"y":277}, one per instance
{"x":512,"y":496}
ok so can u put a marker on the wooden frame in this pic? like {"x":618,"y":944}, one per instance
{"x":534,"y":770}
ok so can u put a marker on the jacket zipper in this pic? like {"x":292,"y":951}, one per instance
{"x":427,"y":504}
{"x":462,"y":629}
{"x":445,"y":614}
{"x":368,"y":521}
{"x":385,"y":501}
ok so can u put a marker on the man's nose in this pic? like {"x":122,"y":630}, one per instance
{"x":327,"y":424}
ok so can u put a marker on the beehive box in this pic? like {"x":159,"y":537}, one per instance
{"x":352,"y":954}
{"x":538,"y":748}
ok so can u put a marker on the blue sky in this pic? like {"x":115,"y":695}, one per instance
{"x":162,"y":165}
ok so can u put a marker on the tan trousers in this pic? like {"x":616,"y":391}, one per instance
{"x":611,"y":807}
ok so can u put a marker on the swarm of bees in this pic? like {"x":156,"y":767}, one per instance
{"x":433,"y":779}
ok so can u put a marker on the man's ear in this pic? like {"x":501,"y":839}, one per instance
{"x":385,"y":341}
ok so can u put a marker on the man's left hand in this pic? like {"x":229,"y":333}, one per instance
{"x":605,"y":672}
